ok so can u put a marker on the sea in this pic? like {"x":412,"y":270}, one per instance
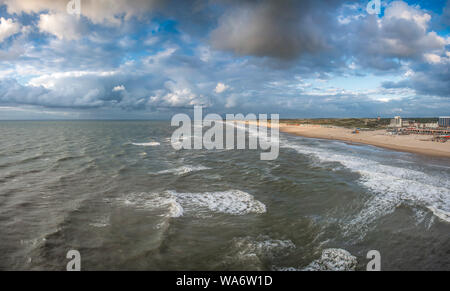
{"x":119,"y":194}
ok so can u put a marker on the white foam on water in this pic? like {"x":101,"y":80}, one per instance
{"x":175,"y":209}
{"x":183,"y":170}
{"x":262,"y":245}
{"x":333,"y":260}
{"x":101,"y":222}
{"x":234,"y":202}
{"x":251,"y":251}
{"x":330,"y":260}
{"x":391,"y":185}
{"x":444,"y":215}
{"x":154,"y":201}
{"x":259,"y":131}
{"x":146,"y":144}
{"x":286,"y":269}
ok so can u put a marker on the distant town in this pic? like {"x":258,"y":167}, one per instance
{"x":438,"y":128}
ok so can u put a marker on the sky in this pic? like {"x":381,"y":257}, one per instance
{"x":136,"y":59}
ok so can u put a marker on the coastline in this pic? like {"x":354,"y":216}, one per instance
{"x":417,"y":144}
{"x":411,"y":143}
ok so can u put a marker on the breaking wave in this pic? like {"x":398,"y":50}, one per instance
{"x":234,"y":202}
{"x":391,"y":186}
{"x":183,"y":170}
{"x":154,"y":201}
{"x":146,"y":144}
{"x":255,"y":253}
{"x":330,"y":260}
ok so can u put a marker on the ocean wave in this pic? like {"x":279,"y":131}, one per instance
{"x":253,"y":253}
{"x":233,"y":202}
{"x":146,"y":144}
{"x":262,"y":246}
{"x":330,"y":260}
{"x":391,"y":185}
{"x":183,"y":170}
{"x":333,"y":260}
{"x":260,"y":131}
{"x":154,"y":201}
{"x":444,"y":215}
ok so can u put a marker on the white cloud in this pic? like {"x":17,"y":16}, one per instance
{"x":177,"y":95}
{"x":49,"y":80}
{"x":119,"y":88}
{"x":432,"y":58}
{"x":63,"y":26}
{"x":408,"y":73}
{"x":158,"y":57}
{"x":98,"y":11}
{"x":347,"y":19}
{"x":8,"y":28}
{"x":220,"y":88}
{"x":401,"y":10}
{"x":403,"y":32}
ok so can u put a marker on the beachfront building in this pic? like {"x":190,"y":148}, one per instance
{"x":396,"y":122}
{"x":407,"y":123}
{"x":426,"y":125}
{"x":432,"y":125}
{"x":444,"y":121}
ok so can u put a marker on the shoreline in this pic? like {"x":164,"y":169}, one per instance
{"x":416,"y":144}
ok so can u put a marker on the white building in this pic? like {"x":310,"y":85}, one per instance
{"x":432,"y":125}
{"x":396,"y":122}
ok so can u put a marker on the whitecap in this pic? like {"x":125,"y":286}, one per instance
{"x":252,"y":253}
{"x":330,"y":260}
{"x":444,"y":215}
{"x":333,"y":260}
{"x":262,"y":246}
{"x":183,"y":170}
{"x":234,"y":202}
{"x":175,"y":204}
{"x":391,"y":186}
{"x":152,"y":201}
{"x":146,"y":144}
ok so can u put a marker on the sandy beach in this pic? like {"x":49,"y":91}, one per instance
{"x":420,"y":144}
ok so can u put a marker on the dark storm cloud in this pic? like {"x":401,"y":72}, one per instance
{"x":282,"y":29}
